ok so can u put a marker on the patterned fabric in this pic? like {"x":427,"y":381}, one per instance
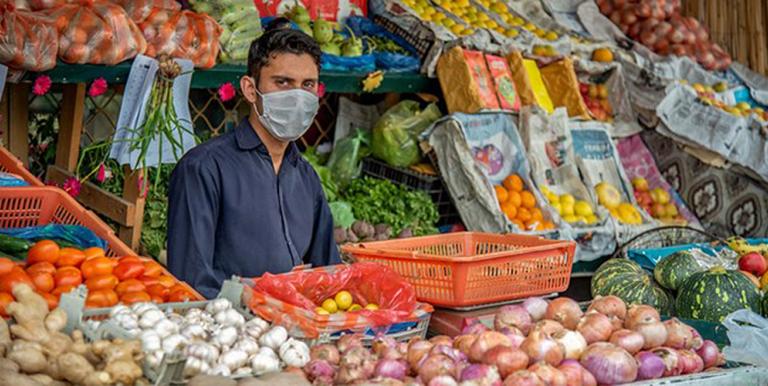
{"x":727,"y":203}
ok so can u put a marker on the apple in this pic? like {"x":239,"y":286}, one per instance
{"x":660,"y":196}
{"x":753,"y":263}
{"x":658,"y":210}
{"x":640,"y":183}
{"x":607,"y":195}
{"x":671,"y":209}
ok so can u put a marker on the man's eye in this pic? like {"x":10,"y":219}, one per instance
{"x":309,"y":84}
{"x":282,"y":82}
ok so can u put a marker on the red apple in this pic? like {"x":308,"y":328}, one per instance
{"x":753,"y":263}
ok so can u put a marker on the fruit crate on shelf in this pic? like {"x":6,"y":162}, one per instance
{"x":11,"y":164}
{"x":471,"y":268}
{"x":431,"y":184}
{"x":33,"y":206}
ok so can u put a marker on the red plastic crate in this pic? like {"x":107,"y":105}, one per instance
{"x":11,"y":164}
{"x":470,"y":268}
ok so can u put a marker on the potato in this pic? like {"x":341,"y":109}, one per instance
{"x":16,"y":379}
{"x":29,"y":359}
{"x":7,"y":364}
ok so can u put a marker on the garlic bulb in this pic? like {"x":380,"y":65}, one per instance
{"x":248,"y":345}
{"x":273,"y":338}
{"x":126,"y":320}
{"x":172,"y":342}
{"x":225,"y":336}
{"x":256,"y":327}
{"x":229,"y":317}
{"x":150,"y":318}
{"x":233,"y":359}
{"x":203,"y":351}
{"x":119,"y":309}
{"x":165,"y":327}
{"x":154,"y":358}
{"x":140,"y":308}
{"x":194,"y":313}
{"x":150,"y":341}
{"x":242,"y":371}
{"x":217,"y":305}
{"x":194,"y":331}
{"x":294,"y":353}
{"x":176,"y":318}
{"x":264,"y":363}
{"x":220,"y":370}
{"x":267,"y":352}
{"x":195,"y":366}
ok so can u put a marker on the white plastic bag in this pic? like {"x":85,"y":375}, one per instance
{"x":748,"y":333}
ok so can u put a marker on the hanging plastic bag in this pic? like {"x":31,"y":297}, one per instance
{"x":139,"y":10}
{"x":77,"y":235}
{"x":395,"y":134}
{"x":240,"y":24}
{"x":28,"y":40}
{"x":8,"y":180}
{"x":96,"y":32}
{"x":345,"y":160}
{"x":184,"y":35}
{"x":748,"y":334}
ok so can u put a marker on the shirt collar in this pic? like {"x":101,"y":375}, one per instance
{"x":247,"y":139}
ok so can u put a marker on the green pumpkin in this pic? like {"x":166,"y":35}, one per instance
{"x":627,"y":280}
{"x":672,"y":270}
{"x":713,"y":294}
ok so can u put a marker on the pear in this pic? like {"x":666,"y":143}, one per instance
{"x":323,"y":31}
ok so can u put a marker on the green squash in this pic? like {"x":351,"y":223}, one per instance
{"x":627,"y":280}
{"x":672,"y":270}
{"x":712,"y":295}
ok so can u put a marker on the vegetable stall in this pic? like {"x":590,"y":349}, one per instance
{"x":608,"y":140}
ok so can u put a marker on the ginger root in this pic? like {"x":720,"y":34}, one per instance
{"x":121,"y":358}
{"x":29,"y":358}
{"x":29,"y":310}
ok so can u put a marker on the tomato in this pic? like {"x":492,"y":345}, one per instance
{"x":43,"y":267}
{"x":130,"y":285}
{"x":129,"y":259}
{"x":101,"y":298}
{"x":101,"y":282}
{"x":157,"y":299}
{"x":158,"y":290}
{"x":43,"y":281}
{"x":93,"y":252}
{"x":148,"y":280}
{"x":70,"y":257}
{"x":61,"y":290}
{"x":43,"y":250}
{"x":68,"y":276}
{"x":135,"y":297}
{"x":6,"y":265}
{"x":97,"y":266}
{"x":129,"y":270}
{"x":16,"y":276}
{"x":5,"y":300}
{"x":52,"y":300}
{"x":181,"y":295}
{"x":166,"y":280}
{"x":153,"y":269}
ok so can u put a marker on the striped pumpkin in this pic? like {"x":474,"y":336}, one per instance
{"x":672,"y":270}
{"x":627,"y":280}
{"x":712,"y":295}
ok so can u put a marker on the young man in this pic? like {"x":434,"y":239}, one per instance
{"x":247,"y":203}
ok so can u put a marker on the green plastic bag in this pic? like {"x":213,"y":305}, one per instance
{"x":395,"y":136}
{"x":346,"y":156}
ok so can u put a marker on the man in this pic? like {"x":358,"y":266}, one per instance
{"x":247,"y":203}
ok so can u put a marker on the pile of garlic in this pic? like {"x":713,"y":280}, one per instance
{"x":216,"y":340}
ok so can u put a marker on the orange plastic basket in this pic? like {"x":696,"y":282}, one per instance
{"x":11,"y":164}
{"x":25,"y":207}
{"x":471,"y":268}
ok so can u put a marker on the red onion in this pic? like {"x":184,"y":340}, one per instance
{"x":513,"y":316}
{"x":480,"y":375}
{"x":611,"y":306}
{"x":417,"y":350}
{"x":323,"y":381}
{"x":349,"y":341}
{"x":523,"y":378}
{"x":588,"y":379}
{"x":443,"y":380}
{"x":692,"y":363}
{"x":441,"y":339}
{"x":485,"y":342}
{"x":551,"y":376}
{"x":515,"y":336}
{"x":629,"y":340}
{"x":573,"y":343}
{"x":670,"y":358}
{"x":541,"y":347}
{"x":381,"y":343}
{"x":389,"y":368}
{"x":318,"y":368}
{"x":548,"y":326}
{"x":680,"y":335}
{"x":506,"y":359}
{"x":536,"y":307}
{"x":391,"y":353}
{"x":651,"y":366}
{"x":654,"y":334}
{"x":697,"y":339}
{"x":450,"y":352}
{"x":327,"y":352}
{"x":564,"y":311}
{"x":573,"y":371}
{"x":639,"y":314}
{"x":435,"y":366}
{"x":609,"y":364}
{"x":475,"y":328}
{"x":595,"y":327}
{"x":710,"y":354}
{"x":464,"y":343}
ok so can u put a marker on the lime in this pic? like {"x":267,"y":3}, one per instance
{"x":330,"y":306}
{"x":343,"y":300}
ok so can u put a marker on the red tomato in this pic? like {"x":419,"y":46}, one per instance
{"x":158,"y":290}
{"x":181,"y":295}
{"x":148,"y":280}
{"x":130,"y":285}
{"x":43,"y":250}
{"x":6,"y":265}
{"x":153,"y":269}
{"x":41,"y":268}
{"x":5,"y":300}
{"x":101,"y":298}
{"x":135,"y":297}
{"x":43,"y":281}
{"x":70,"y":257}
{"x":129,"y":259}
{"x":68,"y":276}
{"x":97,"y":266}
{"x":16,"y":276}
{"x":93,"y":252}
{"x":166,"y":280}
{"x":52,"y":300}
{"x":61,"y":290}
{"x":129,"y":270}
{"x":101,"y":282}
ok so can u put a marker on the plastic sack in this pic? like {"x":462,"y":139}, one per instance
{"x":362,"y":63}
{"x":345,"y":160}
{"x":139,"y":10}
{"x":395,"y":134}
{"x":28,"y":41}
{"x":396,"y":62}
{"x":74,"y":234}
{"x":96,"y":32}
{"x":240,"y":24}
{"x":8,"y":180}
{"x":183,"y":35}
{"x":748,"y":334}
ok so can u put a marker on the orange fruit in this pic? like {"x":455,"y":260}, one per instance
{"x":509,"y":209}
{"x":514,"y":198}
{"x":501,"y":194}
{"x":519,"y":224}
{"x":536,"y":214}
{"x":532,"y":225}
{"x":513,"y":183}
{"x":548,"y":225}
{"x":527,"y":199}
{"x":602,"y":55}
{"x":523,"y":215}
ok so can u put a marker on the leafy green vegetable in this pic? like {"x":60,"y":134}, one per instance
{"x":342,"y":214}
{"x":330,"y":188}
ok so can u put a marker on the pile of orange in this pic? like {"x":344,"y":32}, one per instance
{"x":520,"y":205}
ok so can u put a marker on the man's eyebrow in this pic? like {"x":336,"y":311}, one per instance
{"x":283,"y":77}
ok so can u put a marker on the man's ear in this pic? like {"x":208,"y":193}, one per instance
{"x":248,"y":89}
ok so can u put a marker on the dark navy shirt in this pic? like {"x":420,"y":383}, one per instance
{"x":229,"y":213}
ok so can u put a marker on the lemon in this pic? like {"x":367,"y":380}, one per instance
{"x":570,"y":218}
{"x":321,"y":311}
{"x":343,"y":299}
{"x":567,"y":199}
{"x":448,"y":23}
{"x":457,"y":28}
{"x":551,"y":36}
{"x":354,"y":307}
{"x":512,"y":33}
{"x":567,"y":209}
{"x":582,"y":208}
{"x":530,"y":27}
{"x":551,"y":197}
{"x":557,"y":207}
{"x":591,"y":219}
{"x":371,"y":307}
{"x":330,"y":306}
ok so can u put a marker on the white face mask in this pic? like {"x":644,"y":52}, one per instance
{"x":288,"y":114}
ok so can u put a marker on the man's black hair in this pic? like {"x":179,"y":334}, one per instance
{"x":279,"y":38}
